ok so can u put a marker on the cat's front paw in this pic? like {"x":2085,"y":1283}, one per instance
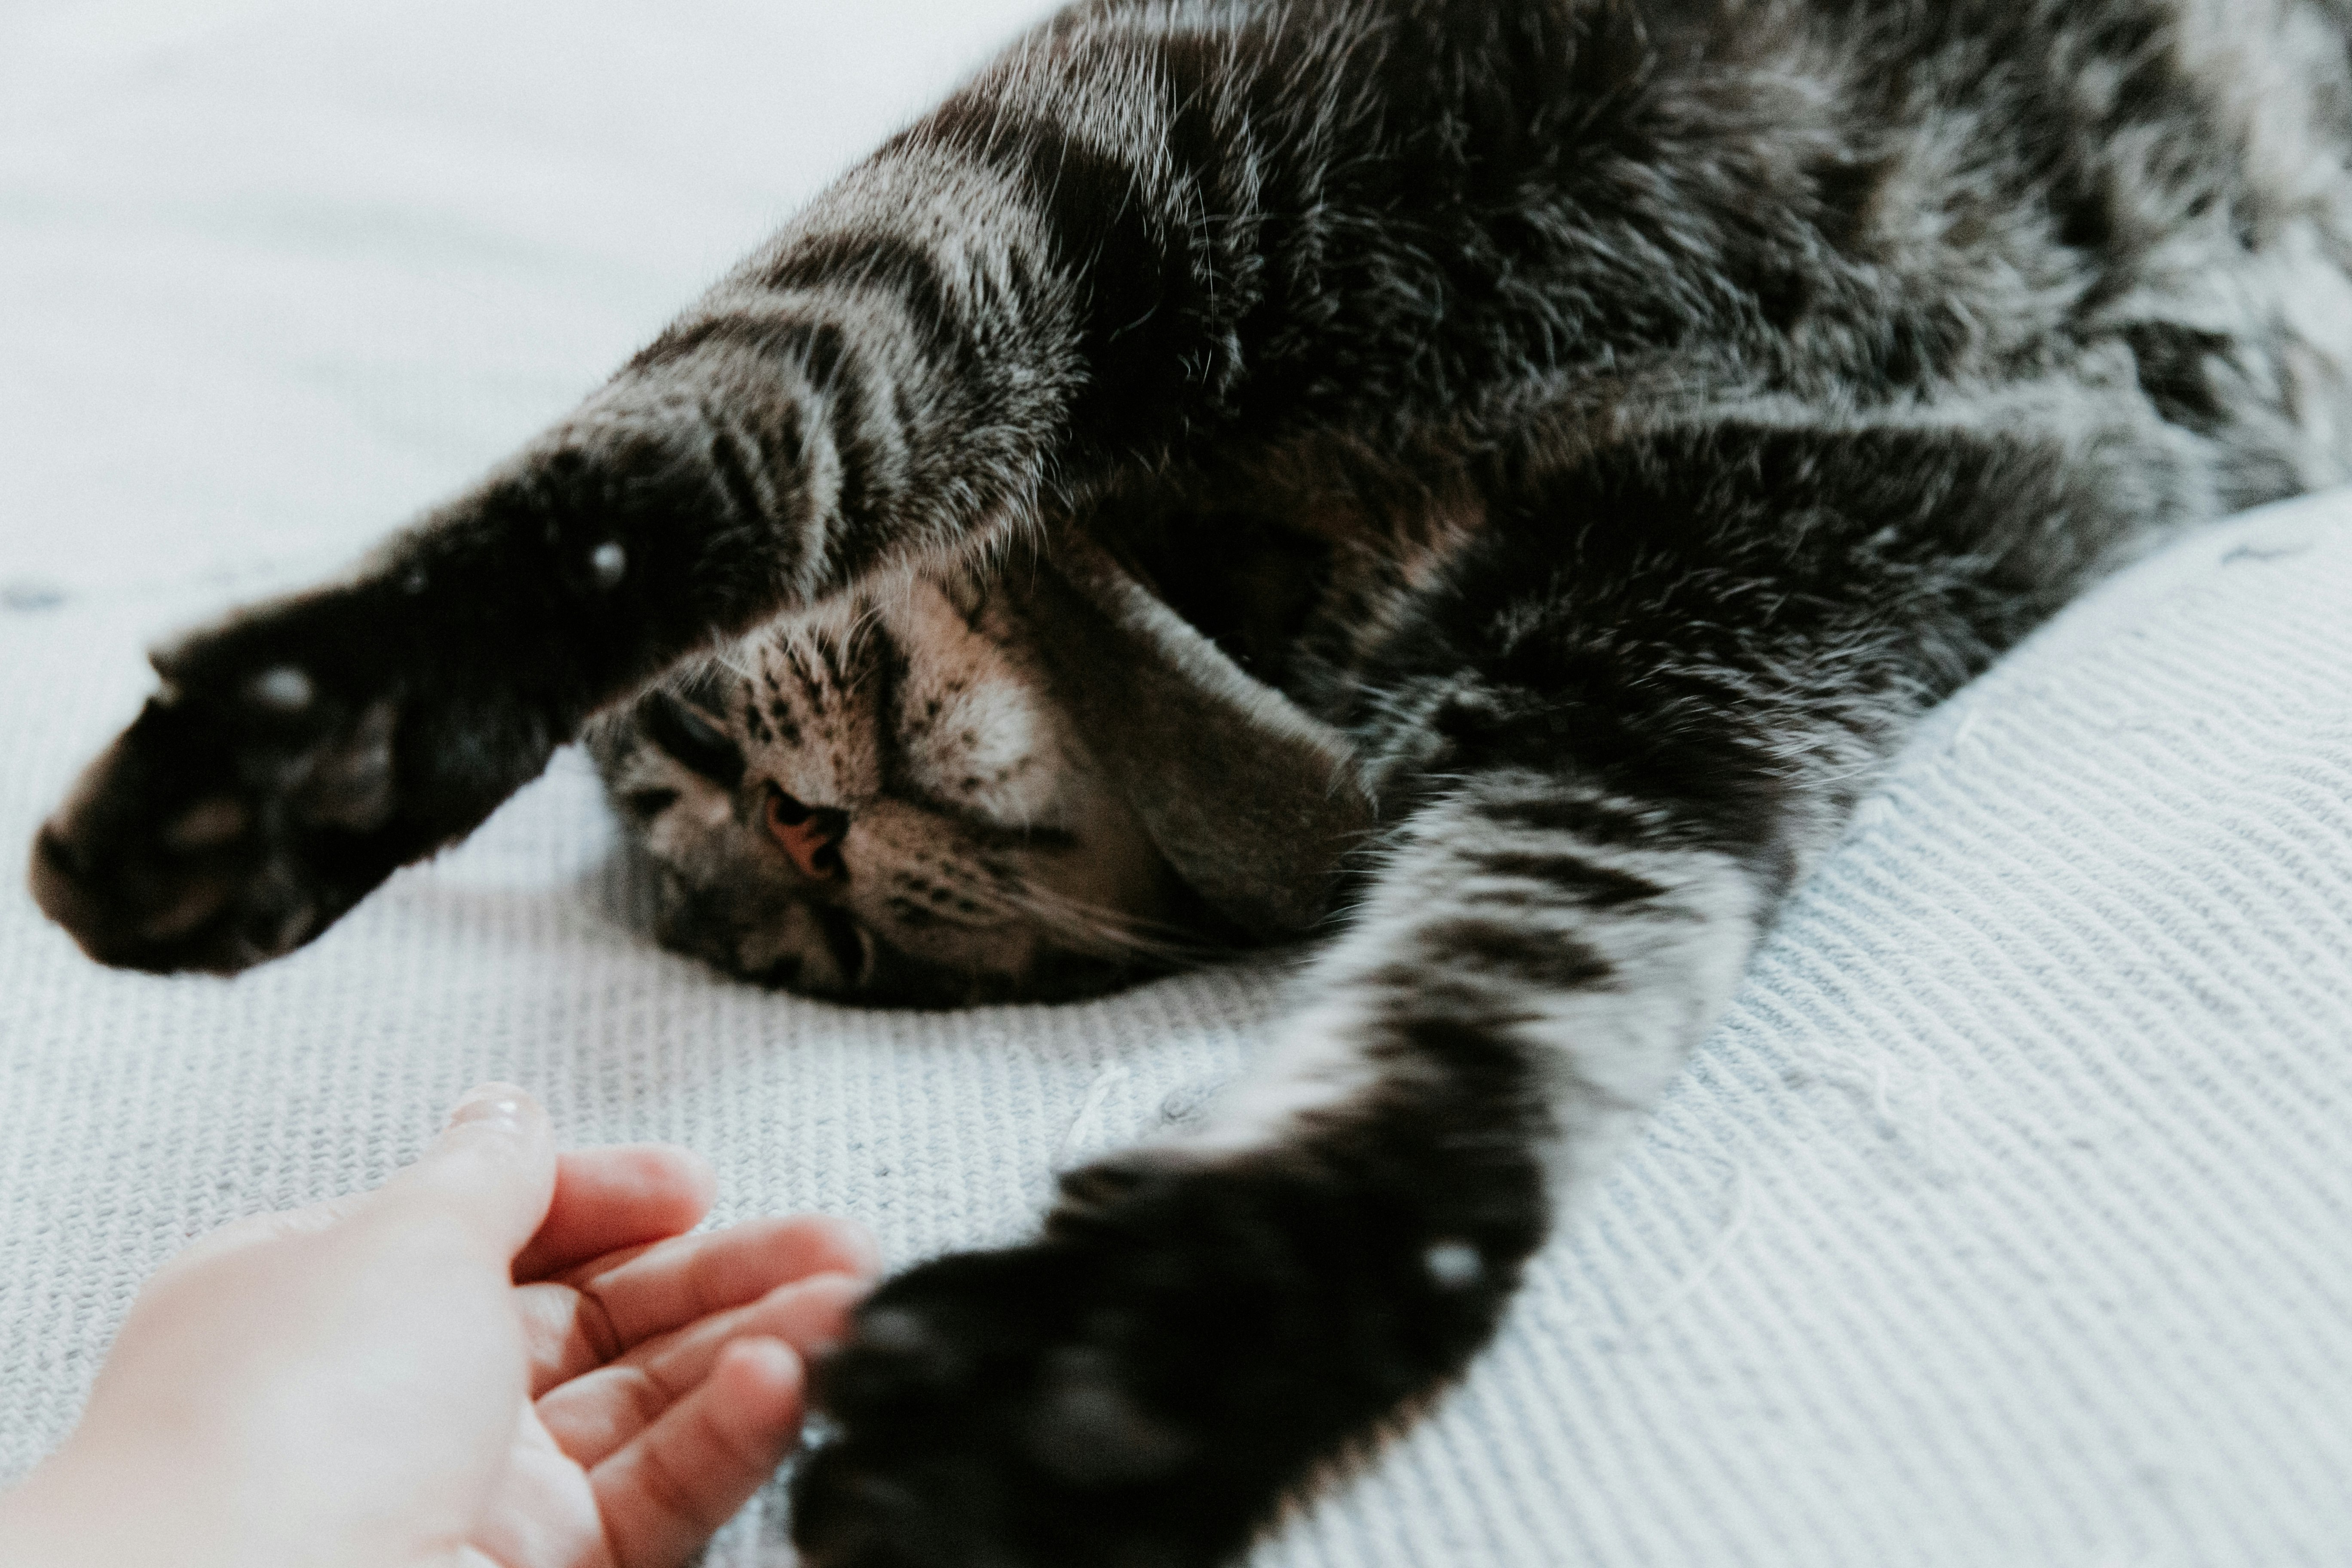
{"x":276,"y":779}
{"x":1138,"y":1389}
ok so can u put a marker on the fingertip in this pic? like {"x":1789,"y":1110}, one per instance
{"x":861,"y":1246}
{"x":815,"y":1312}
{"x":502,"y":1119}
{"x":744,"y":1261}
{"x":658,"y":1181}
{"x":760,"y":1383}
{"x":496,"y":1103}
{"x":492,"y":1167}
{"x":841,"y":1245}
{"x":694,"y":1178}
{"x":762,"y":1361}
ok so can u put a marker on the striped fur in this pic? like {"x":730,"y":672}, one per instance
{"x":1482,"y":481}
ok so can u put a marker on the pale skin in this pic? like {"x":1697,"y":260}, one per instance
{"x":502,"y":1357}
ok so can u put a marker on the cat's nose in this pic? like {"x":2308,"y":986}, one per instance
{"x":811,"y":835}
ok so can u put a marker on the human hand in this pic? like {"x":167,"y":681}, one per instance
{"x":501,"y":1357}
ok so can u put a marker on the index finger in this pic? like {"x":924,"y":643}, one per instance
{"x":612,"y":1198}
{"x":678,"y":1281}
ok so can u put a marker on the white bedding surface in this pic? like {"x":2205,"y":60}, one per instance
{"x":2006,"y":1222}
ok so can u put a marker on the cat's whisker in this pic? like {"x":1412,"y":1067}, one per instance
{"x":1101,"y":931}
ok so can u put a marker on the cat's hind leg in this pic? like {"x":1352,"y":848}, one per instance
{"x":1204,"y":1320}
{"x":1635,"y":711}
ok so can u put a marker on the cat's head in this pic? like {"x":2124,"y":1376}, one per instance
{"x":884,"y":804}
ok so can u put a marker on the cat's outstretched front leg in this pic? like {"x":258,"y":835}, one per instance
{"x":1203,"y":1321}
{"x":891,"y":379}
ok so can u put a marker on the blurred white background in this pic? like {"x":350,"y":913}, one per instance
{"x":275,"y":274}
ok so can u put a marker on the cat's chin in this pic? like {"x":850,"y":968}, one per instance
{"x":900,"y":982}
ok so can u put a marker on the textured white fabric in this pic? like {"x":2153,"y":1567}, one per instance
{"x":2007,"y":1221}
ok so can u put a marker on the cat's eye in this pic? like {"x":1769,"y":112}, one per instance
{"x":647,"y":804}
{"x":691,"y":737}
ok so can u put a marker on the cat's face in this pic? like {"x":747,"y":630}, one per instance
{"x":880,"y":805}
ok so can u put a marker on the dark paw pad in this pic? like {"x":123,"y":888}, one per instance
{"x":259,"y":796}
{"x":222,"y":829}
{"x":970,"y":1442}
{"x":1138,"y":1389}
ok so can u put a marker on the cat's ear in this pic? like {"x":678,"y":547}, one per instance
{"x":1253,"y":802}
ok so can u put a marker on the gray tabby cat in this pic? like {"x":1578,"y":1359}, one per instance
{"x":1479,"y":482}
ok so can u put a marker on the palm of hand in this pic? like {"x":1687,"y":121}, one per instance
{"x":502,"y":1357}
{"x":660,"y":1394}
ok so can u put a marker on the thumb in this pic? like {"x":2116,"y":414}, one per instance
{"x":492,"y":1172}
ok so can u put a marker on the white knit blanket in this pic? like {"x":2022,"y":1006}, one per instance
{"x":2005,"y":1223}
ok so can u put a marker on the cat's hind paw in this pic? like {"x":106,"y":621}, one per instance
{"x":1136,"y":1390}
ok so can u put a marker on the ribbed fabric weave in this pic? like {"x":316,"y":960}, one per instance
{"x":2006,"y":1221}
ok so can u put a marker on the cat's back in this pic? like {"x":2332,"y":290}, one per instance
{"x":1850,"y":200}
{"x":2147,"y":198}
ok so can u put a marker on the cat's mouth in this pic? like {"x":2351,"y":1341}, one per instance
{"x":842,"y":960}
{"x":850,"y":946}
{"x":830,"y":953}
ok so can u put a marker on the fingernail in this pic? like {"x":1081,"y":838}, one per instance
{"x":864,"y":1244}
{"x":492,"y":1104}
{"x":774,"y":1357}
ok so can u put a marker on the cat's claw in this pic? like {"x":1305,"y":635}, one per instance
{"x":1135,"y":1389}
